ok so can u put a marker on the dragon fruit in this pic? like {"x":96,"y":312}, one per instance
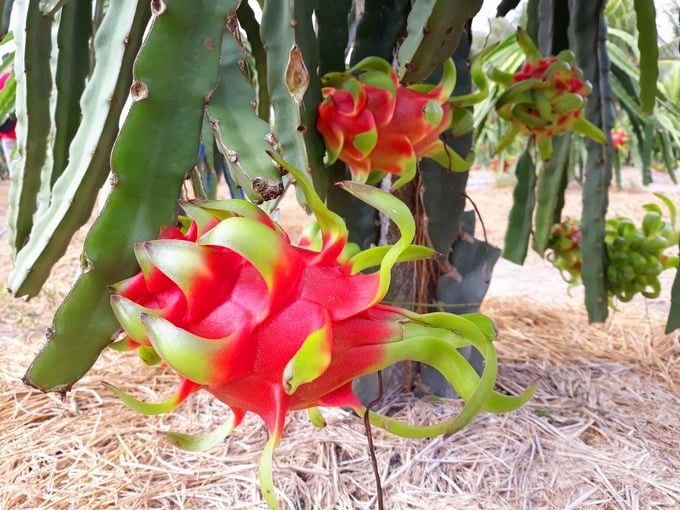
{"x":376,"y":125}
{"x":619,"y":139}
{"x":227,"y":302}
{"x":636,"y":255}
{"x":544,"y":98}
{"x":565,"y":243}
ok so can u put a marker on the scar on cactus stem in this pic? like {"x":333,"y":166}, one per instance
{"x":234,"y":308}
{"x":544,"y":98}
{"x":377,"y":126}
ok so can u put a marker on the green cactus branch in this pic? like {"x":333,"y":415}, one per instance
{"x":34,"y":85}
{"x":587,"y":31}
{"x":333,"y":30}
{"x":249,"y":23}
{"x":147,"y":180}
{"x":240,"y":134}
{"x":550,"y":192}
{"x":74,"y":194}
{"x":284,"y":59}
{"x":378,"y":24}
{"x":434,"y":32}
{"x":673,"y":322}
{"x":5,"y":13}
{"x":73,"y":68}
{"x":645,"y":15}
{"x":306,"y":40}
{"x":523,"y":201}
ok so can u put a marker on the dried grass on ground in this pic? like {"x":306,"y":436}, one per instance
{"x":603,"y":431}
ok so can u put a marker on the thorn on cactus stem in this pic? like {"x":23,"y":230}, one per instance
{"x":232,"y":156}
{"x":270,"y":138}
{"x":232,"y":23}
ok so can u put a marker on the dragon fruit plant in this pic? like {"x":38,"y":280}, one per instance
{"x":233,"y":307}
{"x":223,"y":297}
{"x":255,"y":85}
{"x":544,"y":98}
{"x":376,"y":125}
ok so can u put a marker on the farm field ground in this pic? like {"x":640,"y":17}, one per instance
{"x":602,"y":432}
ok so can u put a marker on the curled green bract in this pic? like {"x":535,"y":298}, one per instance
{"x":268,"y":326}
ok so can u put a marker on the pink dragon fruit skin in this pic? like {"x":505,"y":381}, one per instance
{"x":236,"y":309}
{"x":374,"y":124}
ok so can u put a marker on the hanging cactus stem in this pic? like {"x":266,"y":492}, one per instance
{"x":174,"y":117}
{"x":75,"y":191}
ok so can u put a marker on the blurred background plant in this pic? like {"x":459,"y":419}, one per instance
{"x":635,"y":68}
{"x":654,"y":141}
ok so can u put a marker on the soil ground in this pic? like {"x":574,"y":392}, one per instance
{"x":601,"y":432}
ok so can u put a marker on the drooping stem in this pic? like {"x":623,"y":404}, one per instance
{"x":371,"y":446}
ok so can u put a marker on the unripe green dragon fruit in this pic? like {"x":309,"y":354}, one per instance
{"x":376,"y":125}
{"x":565,"y":243}
{"x":544,"y":98}
{"x":266,"y":326}
{"x":636,"y":255}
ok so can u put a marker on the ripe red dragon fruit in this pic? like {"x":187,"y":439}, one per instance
{"x":374,"y":124}
{"x":546,"y":97}
{"x":619,"y":139}
{"x":266,"y":326}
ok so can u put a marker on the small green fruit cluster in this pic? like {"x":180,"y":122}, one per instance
{"x":565,"y":243}
{"x":636,"y":255}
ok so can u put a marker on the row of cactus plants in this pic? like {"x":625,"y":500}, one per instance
{"x":571,"y":31}
{"x":210,"y":77}
{"x":148,"y":94}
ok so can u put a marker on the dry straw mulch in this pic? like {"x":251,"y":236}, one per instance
{"x":603,"y":431}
